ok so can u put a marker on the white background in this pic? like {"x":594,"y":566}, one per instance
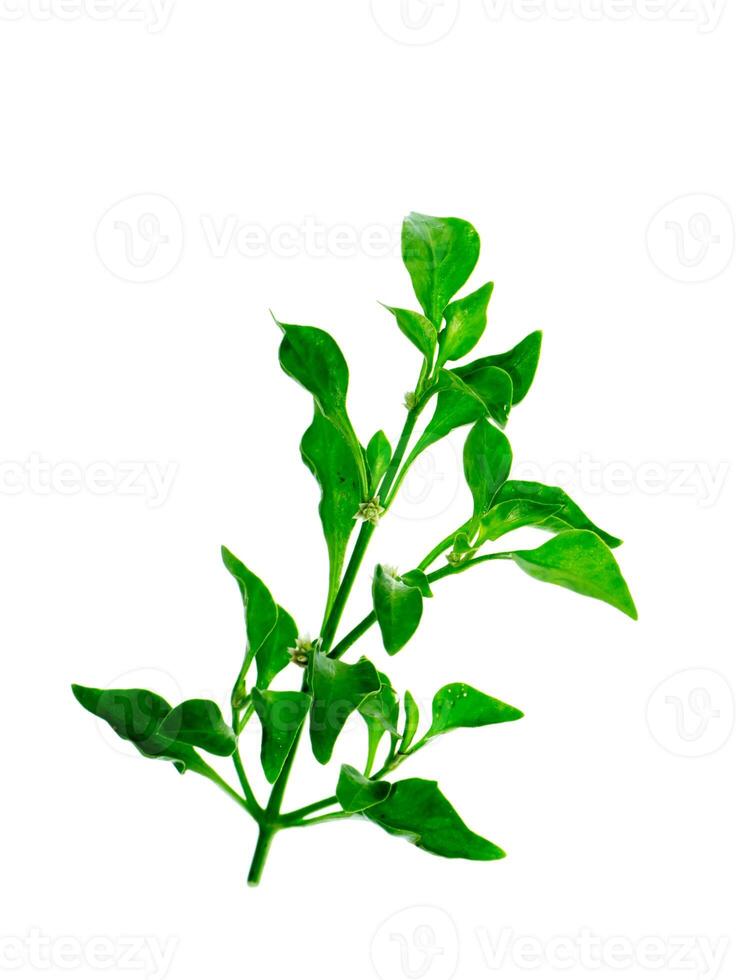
{"x":562,"y":139}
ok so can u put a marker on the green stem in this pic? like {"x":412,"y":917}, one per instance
{"x":216,"y":778}
{"x":355,"y":634}
{"x":296,"y":815}
{"x":263,"y":845}
{"x":249,"y":794}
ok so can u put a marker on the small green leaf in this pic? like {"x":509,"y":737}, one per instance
{"x":380,"y":712}
{"x":520,"y":363}
{"x":281,"y":714}
{"x":273,"y":655}
{"x":439,"y":254}
{"x":461,"y":706}
{"x":487,"y":462}
{"x":261,"y":611}
{"x":199,"y":722}
{"x":337,"y":690}
{"x":418,"y":329}
{"x":416,"y":810}
{"x":356,"y":793}
{"x":411,"y":722}
{"x":580,"y":561}
{"x":332,"y":462}
{"x":135,"y":715}
{"x":567,"y":514}
{"x":510,"y":515}
{"x":465,"y":322}
{"x":398,"y":608}
{"x":378,"y":456}
{"x":417,"y":578}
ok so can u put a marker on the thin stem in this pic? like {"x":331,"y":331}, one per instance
{"x":247,"y":790}
{"x":263,"y":845}
{"x":216,"y":778}
{"x":296,"y":815}
{"x":353,"y":636}
{"x":336,"y":815}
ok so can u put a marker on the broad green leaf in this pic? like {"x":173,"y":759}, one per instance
{"x":332,"y":462}
{"x":312,"y":357}
{"x":398,"y":608}
{"x":380,"y":712}
{"x":439,"y":254}
{"x":261,"y":611}
{"x":462,"y":401}
{"x":416,"y":810}
{"x":580,"y":561}
{"x":567,"y":515}
{"x":487,"y":463}
{"x":337,"y":689}
{"x":378,"y":456}
{"x":411,"y":722}
{"x":273,"y":655}
{"x":520,"y":363}
{"x":465,"y":322}
{"x":281,"y":714}
{"x":461,"y":706}
{"x":356,"y":793}
{"x":135,"y":715}
{"x":511,"y":514}
{"x":418,"y":578}
{"x":199,"y":722}
{"x":418,"y":329}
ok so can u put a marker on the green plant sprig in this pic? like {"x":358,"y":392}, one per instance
{"x":358,"y":485}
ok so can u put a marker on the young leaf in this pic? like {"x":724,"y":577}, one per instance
{"x":567,"y":514}
{"x":580,"y":561}
{"x":520,"y":363}
{"x":281,"y":714}
{"x":332,"y":462}
{"x":416,"y":577}
{"x":417,"y":329}
{"x":135,"y":715}
{"x":417,"y":810}
{"x":312,"y":357}
{"x":337,"y":690}
{"x":487,"y":463}
{"x":198,"y":722}
{"x":378,"y":456}
{"x":356,"y":793}
{"x":273,"y":654}
{"x":439,"y":254}
{"x":381,"y":714}
{"x":411,"y":722}
{"x":398,"y":608}
{"x":465,"y":322}
{"x":261,"y":612}
{"x":461,"y":706}
{"x":511,"y":514}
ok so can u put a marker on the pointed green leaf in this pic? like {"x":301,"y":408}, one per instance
{"x":418,"y":329}
{"x":510,"y":515}
{"x":398,"y":608}
{"x":356,"y":793}
{"x":461,"y":706}
{"x":439,"y":254}
{"x":380,"y":712}
{"x":261,"y":612}
{"x":465,"y":322}
{"x":281,"y":714}
{"x":520,"y":363}
{"x":416,"y":810}
{"x":199,"y":722}
{"x":337,"y":690}
{"x":411,"y":722}
{"x":332,"y":462}
{"x":567,"y":514}
{"x":580,"y":561}
{"x":273,"y":655}
{"x":378,"y":456}
{"x":419,"y":580}
{"x":135,"y":715}
{"x":487,"y":463}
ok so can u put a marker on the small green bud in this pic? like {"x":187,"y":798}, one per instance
{"x":304,"y":647}
{"x":410,"y":400}
{"x":370,"y":510}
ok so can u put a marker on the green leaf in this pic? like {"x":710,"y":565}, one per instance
{"x":398,"y":608}
{"x":380,"y":712}
{"x":378,"y":456}
{"x":418,"y":578}
{"x":312,"y":357}
{"x":199,"y":722}
{"x":135,"y":715}
{"x":416,"y":810}
{"x":461,"y":706}
{"x":580,"y":561}
{"x":567,"y":514}
{"x":465,"y":322}
{"x":273,"y":655}
{"x":337,"y":689}
{"x":510,"y":515}
{"x":520,"y":363}
{"x":418,"y":329}
{"x":261,"y":611}
{"x":411,"y":722}
{"x":487,"y":463}
{"x":439,"y":254}
{"x":332,"y":462}
{"x":356,"y":793}
{"x":281,"y":714}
